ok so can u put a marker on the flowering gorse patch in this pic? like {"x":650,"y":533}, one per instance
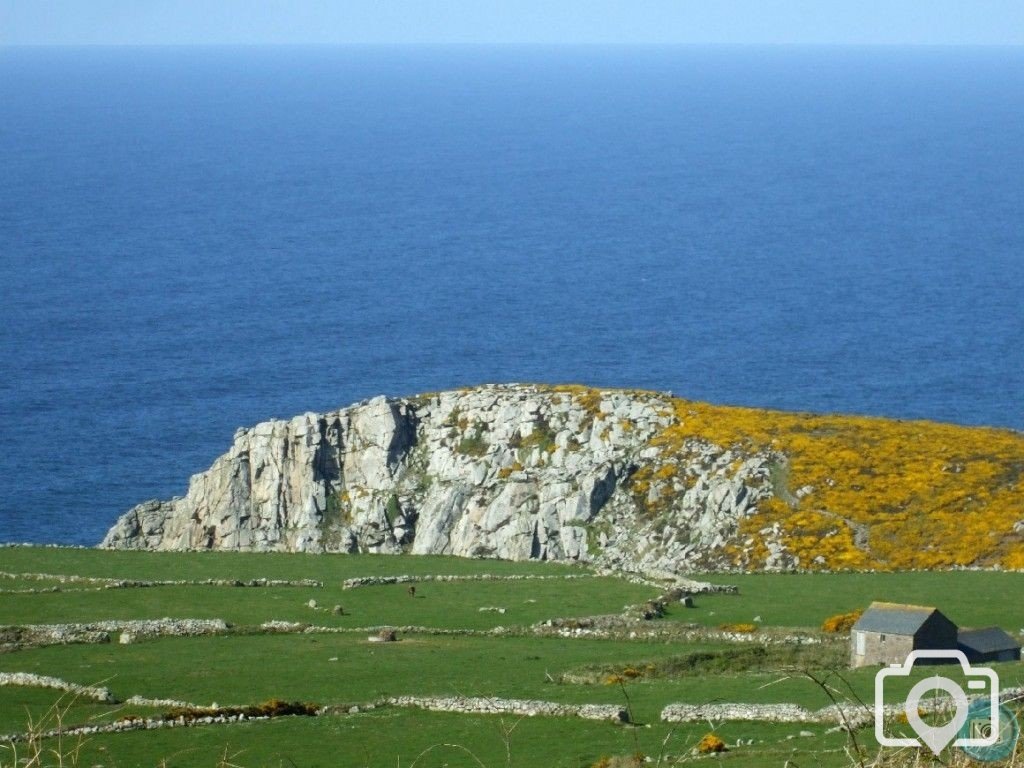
{"x":858,"y":492}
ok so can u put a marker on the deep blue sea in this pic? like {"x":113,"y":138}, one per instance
{"x":197,"y":239}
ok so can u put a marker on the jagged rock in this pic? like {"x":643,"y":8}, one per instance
{"x":511,"y":471}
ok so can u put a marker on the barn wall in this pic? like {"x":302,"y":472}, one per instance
{"x":937,"y":633}
{"x":879,"y":648}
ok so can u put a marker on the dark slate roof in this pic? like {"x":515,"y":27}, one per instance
{"x":894,"y":618}
{"x":987,"y":640}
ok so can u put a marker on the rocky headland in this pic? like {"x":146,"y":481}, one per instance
{"x":630,"y":480}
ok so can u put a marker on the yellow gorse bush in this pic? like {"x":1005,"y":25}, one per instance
{"x":918,"y":494}
{"x":710,"y":744}
{"x":744,"y":628}
{"x":841,"y":622}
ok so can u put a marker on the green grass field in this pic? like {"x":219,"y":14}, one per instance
{"x":440,"y":604}
{"x":970,"y":598}
{"x":399,"y":738}
{"x":344,"y":668}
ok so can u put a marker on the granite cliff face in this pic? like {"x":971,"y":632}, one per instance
{"x":510,"y":471}
{"x":632,"y":480}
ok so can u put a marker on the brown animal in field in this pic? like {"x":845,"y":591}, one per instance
{"x":412,"y":591}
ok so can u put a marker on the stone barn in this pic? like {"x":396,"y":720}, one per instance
{"x":988,"y":644}
{"x":887,"y":632}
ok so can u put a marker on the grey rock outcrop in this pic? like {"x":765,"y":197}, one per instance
{"x":512,"y":471}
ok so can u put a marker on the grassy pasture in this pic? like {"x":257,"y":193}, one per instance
{"x":969,"y":598}
{"x":239,"y":670}
{"x":249,"y":668}
{"x":111,"y":564}
{"x":19,"y":705}
{"x":398,"y":738}
{"x":242,"y":670}
{"x":437,"y":604}
{"x":10,"y":585}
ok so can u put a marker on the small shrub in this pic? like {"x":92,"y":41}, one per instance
{"x":666,"y":471}
{"x":393,"y":509}
{"x":454,"y":418}
{"x":269,"y":708}
{"x":710,"y":744}
{"x":841,"y":622}
{"x":505,"y":472}
{"x":542,"y":437}
{"x":652,"y":609}
{"x":742,"y":627}
{"x":473,"y":444}
{"x":279,"y":708}
{"x":902,"y":716}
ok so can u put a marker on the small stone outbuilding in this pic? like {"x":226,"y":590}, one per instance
{"x":988,"y":644}
{"x":887,"y":632}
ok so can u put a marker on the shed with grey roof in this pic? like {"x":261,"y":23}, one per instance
{"x":887,"y":632}
{"x":988,"y":644}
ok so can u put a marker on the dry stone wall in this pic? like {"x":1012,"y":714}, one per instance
{"x":15,"y":637}
{"x":31,"y":680}
{"x":523,"y":707}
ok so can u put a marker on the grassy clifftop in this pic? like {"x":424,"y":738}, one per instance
{"x":859,"y":492}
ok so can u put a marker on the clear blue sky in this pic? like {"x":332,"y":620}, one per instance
{"x":146,"y":22}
